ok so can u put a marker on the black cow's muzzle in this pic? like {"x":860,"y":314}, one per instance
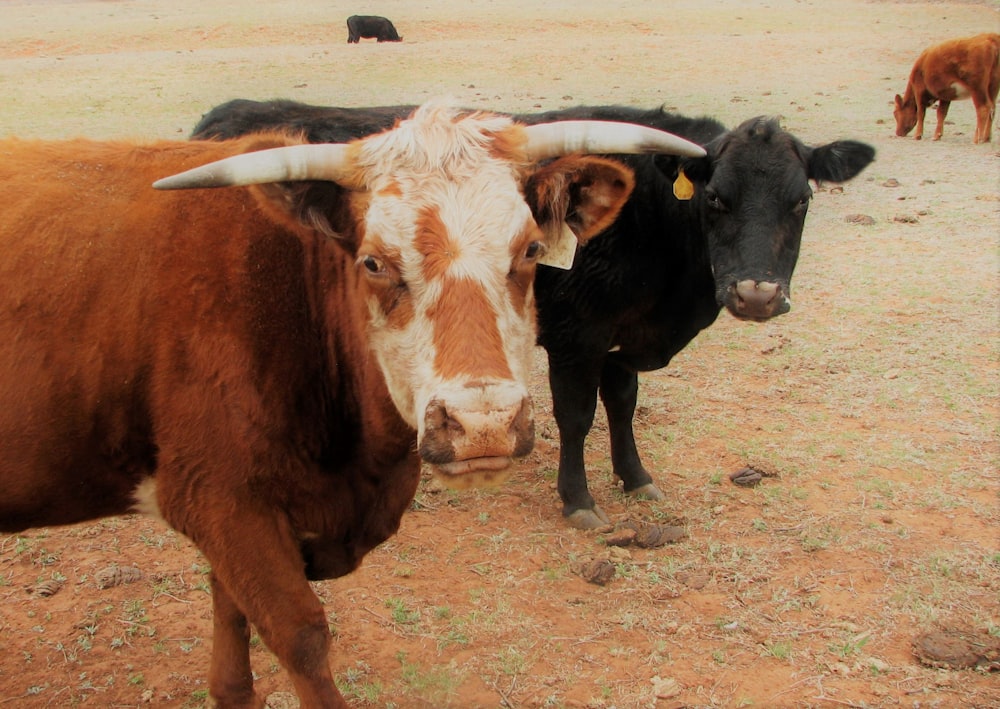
{"x":756,"y":300}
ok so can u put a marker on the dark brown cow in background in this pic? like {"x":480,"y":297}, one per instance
{"x":371,"y":27}
{"x":260,"y":367}
{"x":946,"y":72}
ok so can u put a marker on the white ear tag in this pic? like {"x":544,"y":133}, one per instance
{"x":560,"y":247}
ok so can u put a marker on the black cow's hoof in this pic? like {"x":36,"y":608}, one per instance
{"x":588,"y":519}
{"x":649,"y":491}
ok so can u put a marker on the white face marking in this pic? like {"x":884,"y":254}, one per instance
{"x":447,"y":235}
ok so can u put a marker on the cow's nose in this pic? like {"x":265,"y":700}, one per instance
{"x":758,"y":299}
{"x":495,"y":426}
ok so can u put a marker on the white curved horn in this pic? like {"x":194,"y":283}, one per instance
{"x":292,"y":163}
{"x":549,"y":140}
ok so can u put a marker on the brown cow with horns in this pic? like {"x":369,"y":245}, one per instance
{"x":260,"y":367}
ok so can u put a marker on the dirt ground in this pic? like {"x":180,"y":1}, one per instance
{"x":873,"y":407}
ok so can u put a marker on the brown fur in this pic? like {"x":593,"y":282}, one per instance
{"x":192,"y":337}
{"x":972,"y":64}
{"x":476,"y":349}
{"x":600,"y":180}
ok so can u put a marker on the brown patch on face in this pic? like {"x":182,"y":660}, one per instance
{"x":524,"y":253}
{"x":467,"y":339}
{"x":508,"y":144}
{"x":434,"y":244}
{"x":393,"y":189}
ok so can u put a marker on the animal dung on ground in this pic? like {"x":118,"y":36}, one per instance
{"x":44,"y":589}
{"x":116,"y":576}
{"x":746,"y":477}
{"x":621,"y":537}
{"x":646,"y":535}
{"x":656,"y":535}
{"x":598,"y":571}
{"x":956,"y":650}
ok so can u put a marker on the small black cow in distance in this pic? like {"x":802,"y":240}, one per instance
{"x":371,"y":27}
{"x":696,"y":235}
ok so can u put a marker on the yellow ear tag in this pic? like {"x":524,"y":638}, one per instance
{"x":683,"y":188}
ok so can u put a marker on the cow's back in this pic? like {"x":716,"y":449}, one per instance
{"x":317,"y":124}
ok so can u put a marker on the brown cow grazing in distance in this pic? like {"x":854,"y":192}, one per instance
{"x":264,"y":367}
{"x":946,"y":72}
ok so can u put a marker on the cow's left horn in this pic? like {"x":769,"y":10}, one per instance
{"x":549,"y":140}
{"x":291,"y":163}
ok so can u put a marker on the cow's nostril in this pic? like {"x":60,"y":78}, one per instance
{"x":757,"y":292}
{"x":435,"y":415}
{"x":757,"y":299}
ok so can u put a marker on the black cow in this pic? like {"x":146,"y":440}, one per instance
{"x":319,"y":124}
{"x":695,"y":236}
{"x":371,"y":27}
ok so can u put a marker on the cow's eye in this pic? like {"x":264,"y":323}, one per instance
{"x":803,"y":203}
{"x":534,"y":250}
{"x":714,"y":201}
{"x":372,"y":264}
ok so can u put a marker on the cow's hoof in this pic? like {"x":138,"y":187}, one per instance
{"x":588,"y":519}
{"x":649,"y":491}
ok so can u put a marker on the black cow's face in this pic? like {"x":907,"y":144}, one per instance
{"x":753,"y":193}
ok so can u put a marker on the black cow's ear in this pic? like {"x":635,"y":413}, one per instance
{"x":697,"y":169}
{"x":839,"y":161}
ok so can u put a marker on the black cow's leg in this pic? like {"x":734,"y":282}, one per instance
{"x":619,"y":392}
{"x":574,"y":401}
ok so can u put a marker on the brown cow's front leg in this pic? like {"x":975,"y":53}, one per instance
{"x":921,"y":112}
{"x":942,"y":111}
{"x":985,"y":112}
{"x":230,"y":679}
{"x":259,"y":570}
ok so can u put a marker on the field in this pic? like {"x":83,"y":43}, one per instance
{"x":873,"y":407}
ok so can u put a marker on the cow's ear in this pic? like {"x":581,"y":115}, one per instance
{"x":582,"y":191}
{"x":839,"y":161}
{"x":696,"y":169}
{"x":323,"y":206}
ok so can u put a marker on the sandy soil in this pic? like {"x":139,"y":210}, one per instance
{"x":873,"y":406}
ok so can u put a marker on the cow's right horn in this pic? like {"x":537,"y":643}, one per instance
{"x":549,"y":140}
{"x":292,"y":163}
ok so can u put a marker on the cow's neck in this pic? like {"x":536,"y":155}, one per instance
{"x":354,"y":382}
{"x":368,"y":468}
